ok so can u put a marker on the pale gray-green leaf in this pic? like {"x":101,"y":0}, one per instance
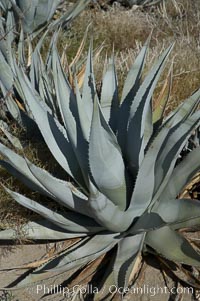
{"x":182,"y":174}
{"x":39,"y":230}
{"x":53,"y":132}
{"x":181,"y":213}
{"x":140,"y":118}
{"x":127,"y":251}
{"x":109,"y":95}
{"x":72,"y":222}
{"x":176,"y":248}
{"x":105,"y":160}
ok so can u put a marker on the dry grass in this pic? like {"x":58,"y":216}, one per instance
{"x":12,"y":215}
{"x":126,"y":30}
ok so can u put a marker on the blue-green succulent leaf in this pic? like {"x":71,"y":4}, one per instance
{"x":17,"y":166}
{"x":70,"y":221}
{"x":68,"y":109}
{"x":12,"y":107}
{"x":5,"y":4}
{"x":176,"y":249}
{"x":95,"y":247}
{"x":185,"y":109}
{"x":132,"y":82}
{"x":35,"y":14}
{"x":109,"y":95}
{"x":64,"y":192}
{"x":21,"y":49}
{"x":40,"y":230}
{"x":9,"y":34}
{"x":131,"y":86}
{"x":182,"y":174}
{"x":76,"y":9}
{"x":105,"y":160}
{"x":180,"y":213}
{"x":53,"y":132}
{"x":128,"y":250}
{"x":147,"y":168}
{"x":108,"y":214}
{"x":140,"y":119}
{"x":6,"y":75}
{"x":74,"y":257}
{"x":85,"y":123}
{"x":174,"y":144}
{"x":148,"y":221}
{"x":89,"y":89}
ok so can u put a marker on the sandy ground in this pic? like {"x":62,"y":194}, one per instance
{"x":150,"y":286}
{"x":18,"y":255}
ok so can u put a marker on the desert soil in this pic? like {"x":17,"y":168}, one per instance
{"x":150,"y":286}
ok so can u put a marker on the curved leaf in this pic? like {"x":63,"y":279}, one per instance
{"x":92,"y":249}
{"x":40,"y":230}
{"x":68,"y":110}
{"x":182,"y":174}
{"x":176,"y":248}
{"x":53,"y":132}
{"x":6,"y":75}
{"x":139,"y":123}
{"x":148,"y":221}
{"x":83,"y":117}
{"x":89,"y":89}
{"x":76,"y":9}
{"x":109,"y":95}
{"x":34,"y":14}
{"x":131,"y":86}
{"x":64,"y":192}
{"x":17,"y":166}
{"x":140,"y":200}
{"x":105,"y":160}
{"x":72,"y":222}
{"x":106,"y":213}
{"x":173,"y":146}
{"x":76,"y":256}
{"x":132,"y":82}
{"x":127,"y":251}
{"x":181,"y":213}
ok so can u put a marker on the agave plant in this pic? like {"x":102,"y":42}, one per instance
{"x":36,"y":15}
{"x":37,"y":69}
{"x":28,"y":18}
{"x":125,"y":178}
{"x":38,"y":72}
